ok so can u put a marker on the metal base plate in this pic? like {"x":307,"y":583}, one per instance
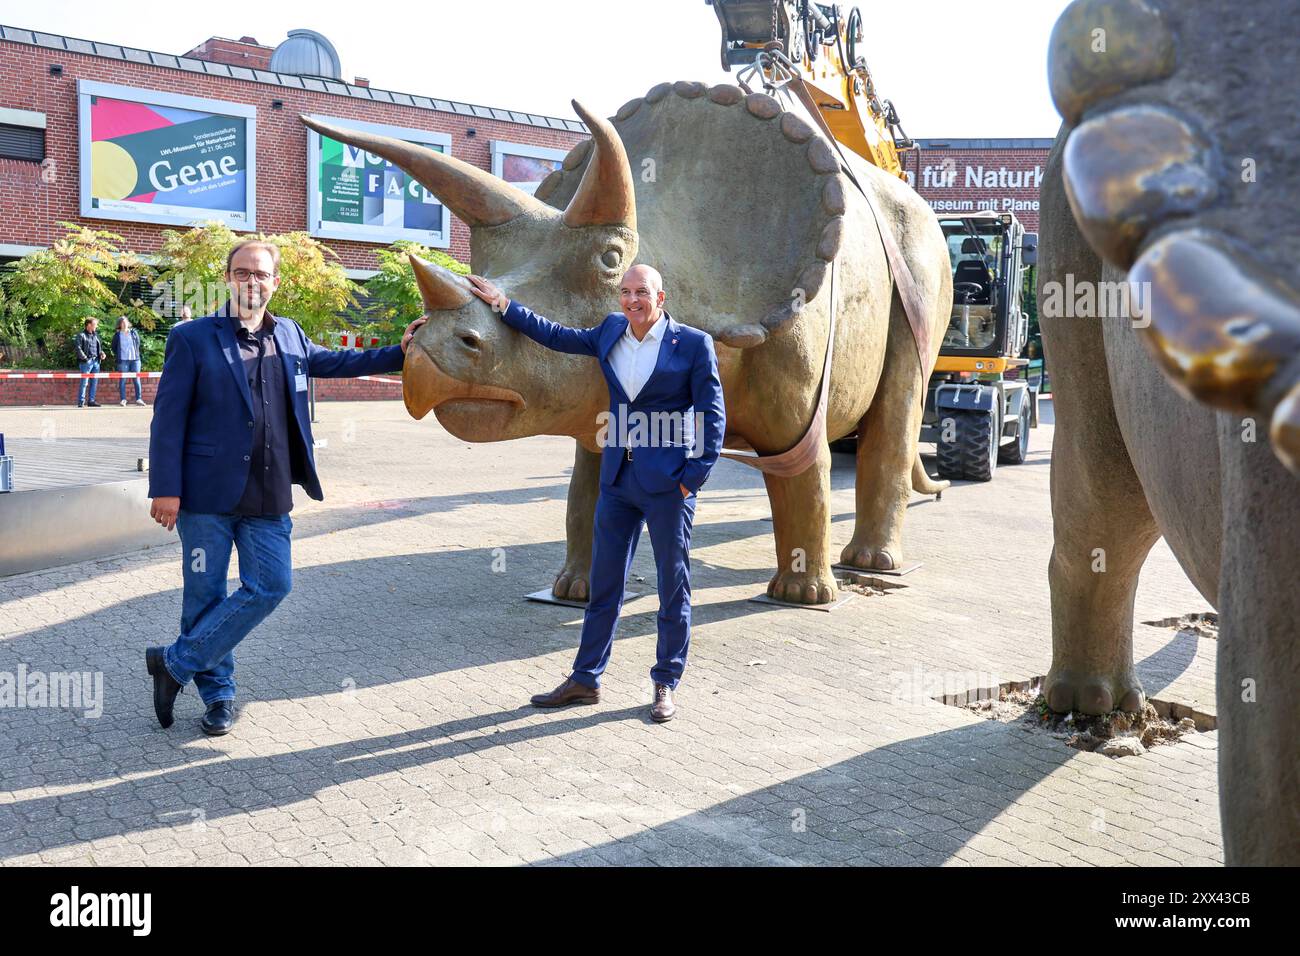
{"x":844,"y":598}
{"x":896,"y":573}
{"x":545,"y":596}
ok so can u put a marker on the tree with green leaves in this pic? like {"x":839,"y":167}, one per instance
{"x":48,"y":294}
{"x":192,"y":270}
{"x":314,"y":289}
{"x":395,"y":296}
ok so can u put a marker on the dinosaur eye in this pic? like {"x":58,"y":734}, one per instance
{"x":611,"y":258}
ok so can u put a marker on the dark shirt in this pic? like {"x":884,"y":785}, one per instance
{"x":89,"y":346}
{"x":269,"y":488}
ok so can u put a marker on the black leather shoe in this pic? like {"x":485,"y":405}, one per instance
{"x":570,"y":692}
{"x":219,"y":718}
{"x":165,"y":687}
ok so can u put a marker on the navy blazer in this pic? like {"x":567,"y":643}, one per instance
{"x":685,"y":381}
{"x":201,"y":438}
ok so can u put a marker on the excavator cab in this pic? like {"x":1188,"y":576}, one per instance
{"x":978,"y":410}
{"x":988,"y":252}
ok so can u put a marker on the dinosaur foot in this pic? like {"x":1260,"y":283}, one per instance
{"x":803,"y":587}
{"x":1094,"y":694}
{"x":573,"y":583}
{"x":871,"y":557}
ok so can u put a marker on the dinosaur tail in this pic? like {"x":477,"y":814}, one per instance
{"x":922,"y":483}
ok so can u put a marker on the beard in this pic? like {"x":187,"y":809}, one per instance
{"x":253,"y":298}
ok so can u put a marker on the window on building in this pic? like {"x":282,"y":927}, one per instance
{"x":524,"y":167}
{"x":22,"y":142}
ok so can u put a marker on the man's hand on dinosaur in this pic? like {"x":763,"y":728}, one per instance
{"x":488,"y":293}
{"x":410,"y":332}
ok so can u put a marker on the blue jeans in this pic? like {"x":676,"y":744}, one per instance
{"x":212,"y":623}
{"x":131,"y":365}
{"x":92,"y":382}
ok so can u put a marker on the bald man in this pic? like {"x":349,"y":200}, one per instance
{"x":659,"y":442}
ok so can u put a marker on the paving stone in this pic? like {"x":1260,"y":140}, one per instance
{"x":384,"y":713}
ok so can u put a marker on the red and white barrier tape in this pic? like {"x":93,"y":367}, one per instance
{"x":4,"y":375}
{"x":80,"y":374}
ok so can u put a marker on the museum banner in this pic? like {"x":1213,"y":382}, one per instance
{"x":148,"y":156}
{"x":353,"y":194}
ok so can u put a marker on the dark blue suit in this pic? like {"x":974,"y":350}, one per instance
{"x":644,"y":488}
{"x":201,"y":437}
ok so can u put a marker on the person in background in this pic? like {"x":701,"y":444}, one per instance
{"x":90,"y":352}
{"x":126,"y":346}
{"x":187,"y":314}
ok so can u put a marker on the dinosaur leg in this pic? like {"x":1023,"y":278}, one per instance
{"x":1177,"y":204}
{"x":1102,"y":524}
{"x":887,"y":439}
{"x":801,"y":520}
{"x":574,"y":579}
{"x":1258,"y":693}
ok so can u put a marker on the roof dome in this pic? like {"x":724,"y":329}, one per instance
{"x":307,"y":53}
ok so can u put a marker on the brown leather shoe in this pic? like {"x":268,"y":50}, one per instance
{"x":663,"y":708}
{"x":570,"y":692}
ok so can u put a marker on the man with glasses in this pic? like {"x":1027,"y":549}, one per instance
{"x":231,"y":433}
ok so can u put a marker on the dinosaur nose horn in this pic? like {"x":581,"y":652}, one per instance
{"x":440,"y":289}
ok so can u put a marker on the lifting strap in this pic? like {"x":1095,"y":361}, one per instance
{"x":797,"y":459}
{"x":908,"y":293}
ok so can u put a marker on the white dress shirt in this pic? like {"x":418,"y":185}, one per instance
{"x":634,"y":362}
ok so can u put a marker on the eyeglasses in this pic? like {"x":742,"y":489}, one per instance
{"x":243,"y":275}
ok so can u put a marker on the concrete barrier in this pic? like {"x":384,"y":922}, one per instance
{"x":48,"y":527}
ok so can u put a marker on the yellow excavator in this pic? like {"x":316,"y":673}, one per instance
{"x":823,"y":41}
{"x":975,"y":414}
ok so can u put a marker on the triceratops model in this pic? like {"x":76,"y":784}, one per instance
{"x":743,"y":208}
{"x":1173,"y":167}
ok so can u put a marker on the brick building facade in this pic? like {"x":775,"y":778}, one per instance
{"x":969,"y":175}
{"x":39,"y":76}
{"x":38,"y":80}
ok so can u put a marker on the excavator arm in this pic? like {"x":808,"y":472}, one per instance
{"x":823,"y":42}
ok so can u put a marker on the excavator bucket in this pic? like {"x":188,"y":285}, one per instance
{"x":749,"y":21}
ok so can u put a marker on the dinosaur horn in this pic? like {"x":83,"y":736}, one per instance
{"x":606,"y":195}
{"x":477,"y":197}
{"x":440,"y":289}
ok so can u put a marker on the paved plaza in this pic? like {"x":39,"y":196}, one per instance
{"x":384,"y":710}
